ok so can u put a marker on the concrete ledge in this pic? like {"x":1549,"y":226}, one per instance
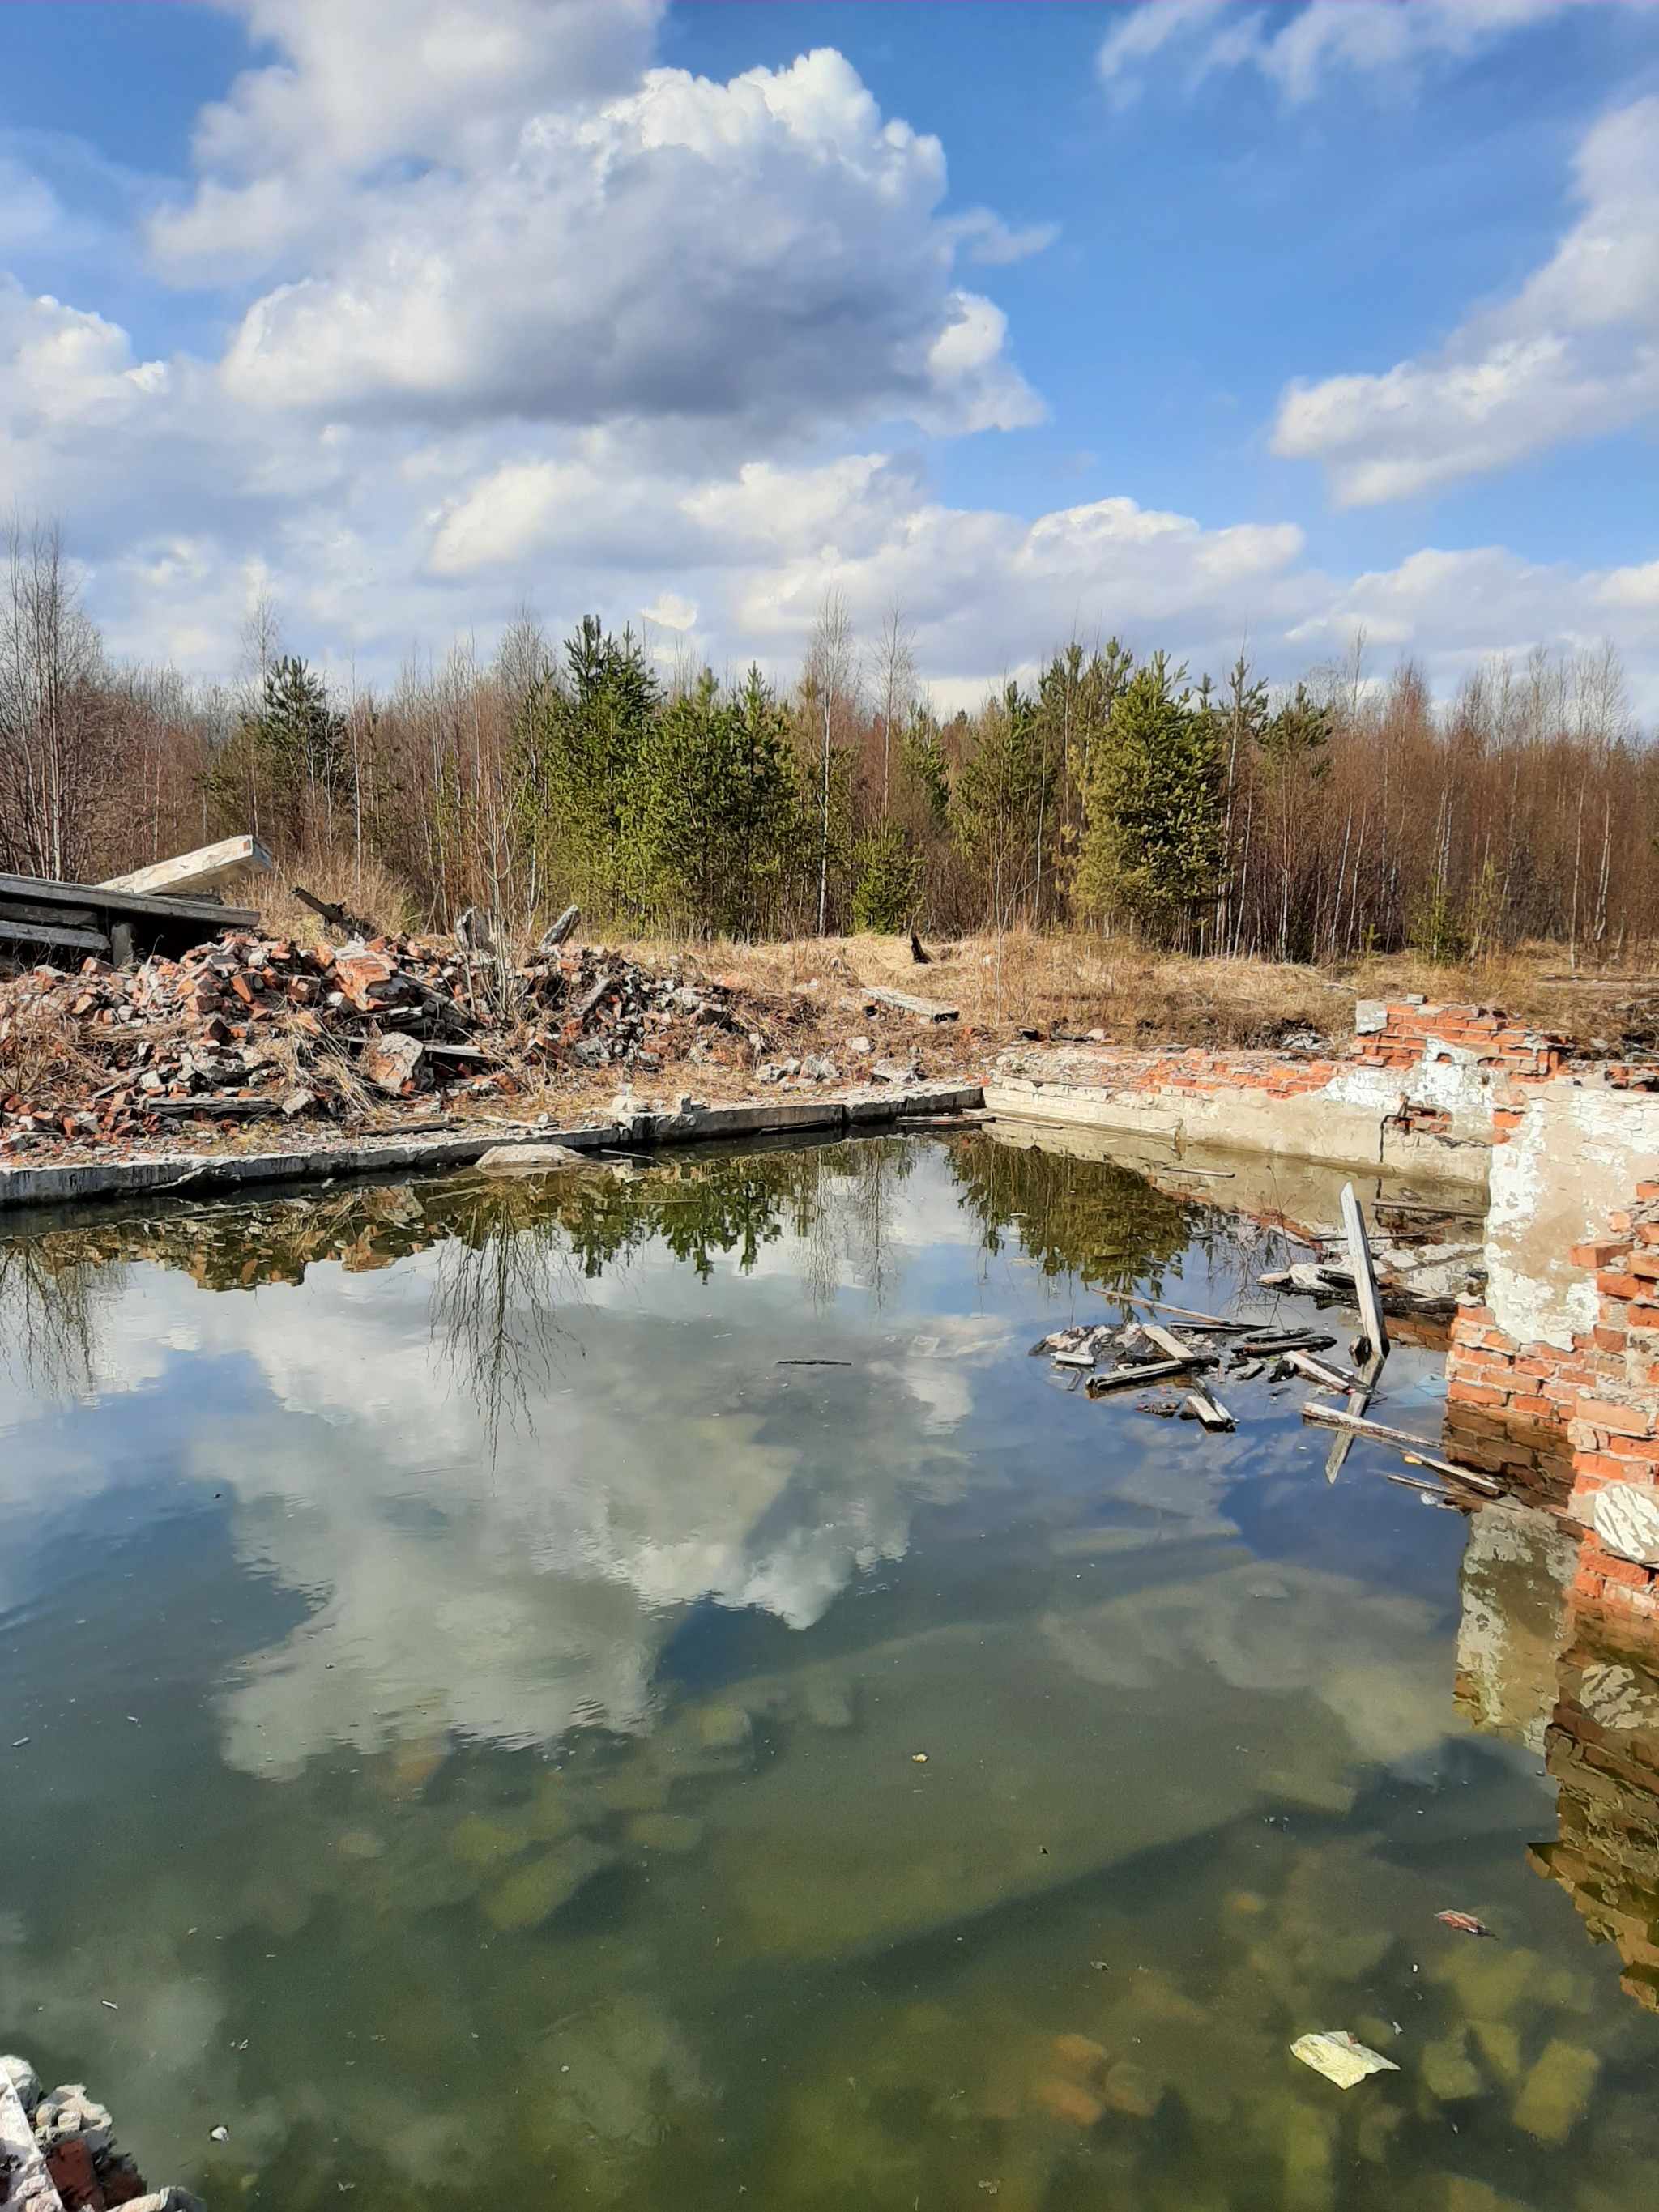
{"x":204,"y":1171}
{"x":1079,"y":1105}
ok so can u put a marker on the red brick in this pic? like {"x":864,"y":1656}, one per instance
{"x":1619,"y":1420}
{"x":1591,"y":1470}
{"x":69,"y":2164}
{"x":1622,"y":1570}
{"x":1618,"y":1286}
{"x":1602,"y":1253}
{"x":1644,"y":1265}
{"x":1610,"y":1339}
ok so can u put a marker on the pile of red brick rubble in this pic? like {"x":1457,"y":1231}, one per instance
{"x":247,"y":1028}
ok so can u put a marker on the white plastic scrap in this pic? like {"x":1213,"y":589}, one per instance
{"x":1340,"y":2057}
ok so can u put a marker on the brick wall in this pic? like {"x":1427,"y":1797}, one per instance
{"x":1408,"y":1031}
{"x":1563,"y":1423}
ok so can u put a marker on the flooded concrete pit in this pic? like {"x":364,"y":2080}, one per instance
{"x":486,"y":1723}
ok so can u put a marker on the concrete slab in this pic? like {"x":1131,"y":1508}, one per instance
{"x":201,"y":1172}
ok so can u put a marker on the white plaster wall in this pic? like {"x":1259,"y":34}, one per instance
{"x":1576,"y":1158}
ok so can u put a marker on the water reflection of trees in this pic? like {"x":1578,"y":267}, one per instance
{"x":1102,"y":1223}
{"x":49,"y":1309}
{"x":512,"y":1252}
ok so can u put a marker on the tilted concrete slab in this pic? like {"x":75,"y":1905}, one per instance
{"x":188,"y":873}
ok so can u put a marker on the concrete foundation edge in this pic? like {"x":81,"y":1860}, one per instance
{"x":204,"y":1171}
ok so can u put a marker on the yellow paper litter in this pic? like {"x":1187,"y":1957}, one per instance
{"x":1340,"y":2057}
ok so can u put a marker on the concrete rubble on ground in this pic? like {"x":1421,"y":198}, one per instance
{"x":251,"y":1028}
{"x":58,"y":2154}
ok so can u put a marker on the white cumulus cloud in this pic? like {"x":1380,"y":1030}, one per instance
{"x":1300,"y":51}
{"x":517,"y":218}
{"x":1574,"y":354}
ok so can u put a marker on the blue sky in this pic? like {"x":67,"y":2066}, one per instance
{"x":1193,"y":322}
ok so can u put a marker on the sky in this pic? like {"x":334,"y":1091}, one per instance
{"x":1317,"y":330}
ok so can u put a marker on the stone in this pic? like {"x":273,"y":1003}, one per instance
{"x":1626,"y":1519}
{"x":24,"y":2180}
{"x":542,"y":1884}
{"x":1447,"y":2071}
{"x":392,"y":1063}
{"x":69,"y":2112}
{"x":1554,"y":2095}
{"x":529,"y":1159}
{"x":24,"y":2080}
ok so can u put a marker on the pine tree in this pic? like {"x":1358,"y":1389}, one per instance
{"x":998,"y":803}
{"x":580,"y":744}
{"x":1153,"y":841}
{"x":721,"y":820}
{"x":286,"y":762}
{"x":887,"y":895}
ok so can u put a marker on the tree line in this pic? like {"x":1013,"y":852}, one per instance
{"x":1115,"y":792}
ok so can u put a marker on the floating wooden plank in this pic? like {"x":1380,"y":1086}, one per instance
{"x":1328,"y":1378}
{"x":1168,"y":1343}
{"x":51,"y":938}
{"x":923,"y":1009}
{"x":1208,"y":1409}
{"x":1335,"y":1417}
{"x":1266,"y":1347}
{"x":1365,"y":1278}
{"x":1129,"y":1379}
{"x":1359,"y":1402}
{"x":1198,"y":1320}
{"x":203,"y":870}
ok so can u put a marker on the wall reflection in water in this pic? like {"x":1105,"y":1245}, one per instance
{"x":1581,"y":1687}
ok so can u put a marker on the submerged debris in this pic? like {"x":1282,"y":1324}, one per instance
{"x":1340,"y":2057}
{"x":57,"y":2153}
{"x":1465,"y":1924}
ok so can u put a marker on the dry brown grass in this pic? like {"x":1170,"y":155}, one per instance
{"x":42,"y":1053}
{"x":372,"y":892}
{"x":1075,"y":983}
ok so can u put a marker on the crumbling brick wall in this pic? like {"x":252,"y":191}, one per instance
{"x":1561,"y":1424}
{"x":1402,"y":1036}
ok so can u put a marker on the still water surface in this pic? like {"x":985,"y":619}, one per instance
{"x":474,"y":1689}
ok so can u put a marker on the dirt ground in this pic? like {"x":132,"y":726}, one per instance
{"x":796,"y":1017}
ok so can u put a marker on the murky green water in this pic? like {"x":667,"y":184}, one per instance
{"x":474,"y":1695}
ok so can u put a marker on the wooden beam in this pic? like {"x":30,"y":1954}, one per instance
{"x":53,"y":940}
{"x":1334,"y":1417}
{"x":203,"y":870}
{"x":95,"y":899}
{"x":55,"y":917}
{"x":1365,"y":1277}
